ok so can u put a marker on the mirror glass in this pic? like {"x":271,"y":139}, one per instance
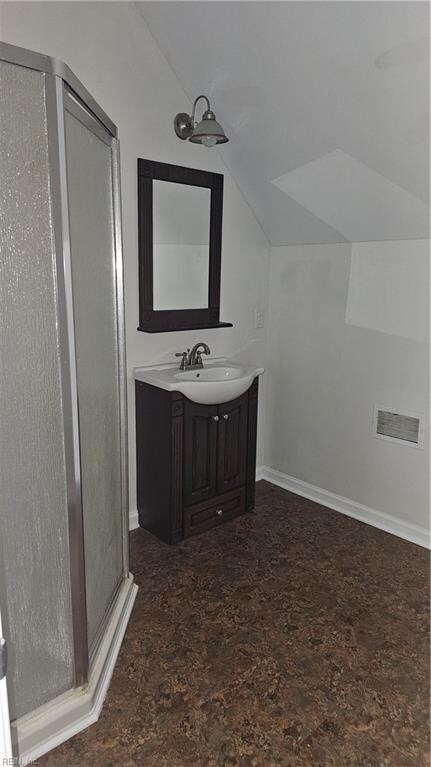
{"x":181,"y":226}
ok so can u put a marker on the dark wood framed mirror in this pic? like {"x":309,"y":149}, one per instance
{"x":180,"y":214}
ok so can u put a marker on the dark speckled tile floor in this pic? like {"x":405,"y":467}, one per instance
{"x":292,"y":637}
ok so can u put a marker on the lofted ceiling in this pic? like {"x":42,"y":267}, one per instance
{"x":326,"y":105}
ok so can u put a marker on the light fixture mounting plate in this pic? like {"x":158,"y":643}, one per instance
{"x":183,"y":125}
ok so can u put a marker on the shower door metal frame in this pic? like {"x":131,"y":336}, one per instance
{"x":64,"y":90}
{"x":64,"y":99}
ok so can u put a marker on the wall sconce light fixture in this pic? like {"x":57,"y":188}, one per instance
{"x":207,"y":132}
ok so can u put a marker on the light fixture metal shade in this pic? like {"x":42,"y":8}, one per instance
{"x":208,"y":128}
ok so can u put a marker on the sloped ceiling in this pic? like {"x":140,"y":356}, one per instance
{"x":326,"y":105}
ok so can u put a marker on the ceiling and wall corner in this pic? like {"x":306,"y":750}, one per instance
{"x":326,"y":105}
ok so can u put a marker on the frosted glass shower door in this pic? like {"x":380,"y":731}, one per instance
{"x":89,"y":160}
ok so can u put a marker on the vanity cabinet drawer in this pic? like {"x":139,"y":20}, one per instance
{"x":205,"y":515}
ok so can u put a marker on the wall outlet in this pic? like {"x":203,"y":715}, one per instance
{"x":259,"y":318}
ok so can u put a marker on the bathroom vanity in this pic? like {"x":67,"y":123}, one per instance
{"x":196,"y":424}
{"x":196,"y":447}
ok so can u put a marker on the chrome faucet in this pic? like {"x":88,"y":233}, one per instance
{"x":193,"y":359}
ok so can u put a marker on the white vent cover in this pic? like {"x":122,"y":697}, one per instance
{"x":398,"y":426}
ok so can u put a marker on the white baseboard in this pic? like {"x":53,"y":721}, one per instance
{"x":133,"y":519}
{"x":259,"y":473}
{"x":386,"y":522}
{"x":65,"y":716}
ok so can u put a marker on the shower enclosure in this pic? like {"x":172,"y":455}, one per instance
{"x":66,"y":592}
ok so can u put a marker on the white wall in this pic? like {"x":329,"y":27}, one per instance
{"x":332,"y":351}
{"x":347,"y":329}
{"x":109,"y":48}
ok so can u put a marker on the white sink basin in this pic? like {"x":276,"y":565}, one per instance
{"x":212,"y":373}
{"x":215,"y":383}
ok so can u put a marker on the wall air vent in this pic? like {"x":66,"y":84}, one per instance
{"x":398,"y":426}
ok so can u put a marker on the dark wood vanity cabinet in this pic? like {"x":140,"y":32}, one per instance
{"x":200,"y":452}
{"x":215,"y":448}
{"x":195,"y":463}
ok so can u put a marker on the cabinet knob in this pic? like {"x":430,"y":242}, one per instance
{"x":219,"y":512}
{"x":216,"y":418}
{"x":226,"y":417}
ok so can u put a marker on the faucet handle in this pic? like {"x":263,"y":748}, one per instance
{"x":184,"y":360}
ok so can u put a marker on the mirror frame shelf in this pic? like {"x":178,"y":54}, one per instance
{"x":167,"y":320}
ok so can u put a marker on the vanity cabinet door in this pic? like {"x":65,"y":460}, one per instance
{"x":200,"y":452}
{"x":232,"y":444}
